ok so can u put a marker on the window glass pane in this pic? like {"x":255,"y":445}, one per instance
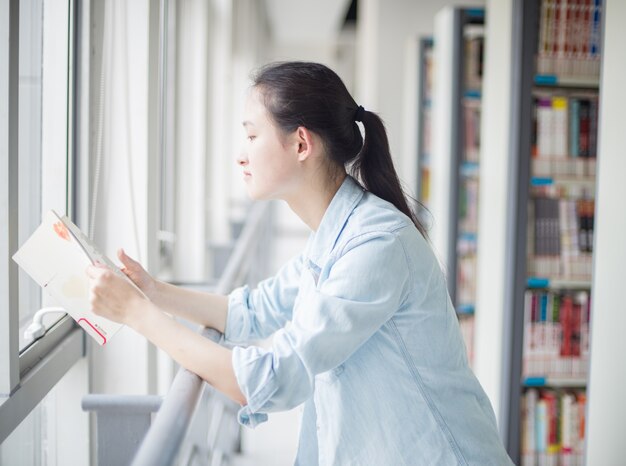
{"x":29,"y":142}
{"x":43,"y":123}
{"x":167,"y":123}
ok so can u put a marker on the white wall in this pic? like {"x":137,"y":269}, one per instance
{"x":494,"y":169}
{"x":607,"y":406}
{"x":442,"y":143}
{"x":192,"y":139}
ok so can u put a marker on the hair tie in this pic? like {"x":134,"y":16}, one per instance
{"x":359,"y":113}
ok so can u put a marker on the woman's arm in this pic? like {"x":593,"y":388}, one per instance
{"x":191,"y":350}
{"x":202,"y":308}
{"x":112,"y":297}
{"x":206,"y":309}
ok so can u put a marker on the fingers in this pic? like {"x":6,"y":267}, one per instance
{"x":96,"y":302}
{"x":92,"y":271}
{"x":125,"y":259}
{"x":97,"y":270}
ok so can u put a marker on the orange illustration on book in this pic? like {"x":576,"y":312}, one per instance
{"x":61,"y":230}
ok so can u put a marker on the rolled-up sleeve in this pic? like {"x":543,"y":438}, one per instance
{"x":363,"y":289}
{"x":256,"y":314}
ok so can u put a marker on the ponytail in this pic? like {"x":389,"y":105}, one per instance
{"x":373,"y":166}
{"x":312,"y":95}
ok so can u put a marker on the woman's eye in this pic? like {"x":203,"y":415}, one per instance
{"x":251,"y":138}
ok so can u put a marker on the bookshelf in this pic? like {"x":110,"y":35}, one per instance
{"x":424,"y":125}
{"x":457,"y":92}
{"x":555,"y":115}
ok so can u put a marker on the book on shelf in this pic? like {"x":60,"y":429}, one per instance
{"x":569,"y":38}
{"x":556,"y":334}
{"x":563,"y":118}
{"x":467,"y":175}
{"x":473,"y":58}
{"x":468,"y":205}
{"x":560,"y":244}
{"x":553,"y":427}
{"x":466,"y":279}
{"x":564,"y":141}
{"x":471,"y":133}
{"x":425,"y":110}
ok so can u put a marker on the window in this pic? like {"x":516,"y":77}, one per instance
{"x":36,"y":101}
{"x":29,"y":143}
{"x":43,"y":131}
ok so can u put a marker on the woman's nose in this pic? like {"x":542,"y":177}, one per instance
{"x":242,"y":159}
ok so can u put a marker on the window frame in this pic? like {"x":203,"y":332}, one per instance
{"x":26,"y":378}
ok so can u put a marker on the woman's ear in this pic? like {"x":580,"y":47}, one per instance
{"x":306,"y":143}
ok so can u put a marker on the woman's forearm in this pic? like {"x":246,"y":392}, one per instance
{"x":191,"y":350}
{"x":202,"y":308}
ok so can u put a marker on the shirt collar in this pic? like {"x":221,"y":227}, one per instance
{"x":341,"y":206}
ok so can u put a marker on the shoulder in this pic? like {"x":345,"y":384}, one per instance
{"x":373,"y":218}
{"x":377,"y":228}
{"x":373,"y":238}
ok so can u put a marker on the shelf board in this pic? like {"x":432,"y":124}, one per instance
{"x":557,"y":382}
{"x":551,"y":80}
{"x":473,"y":94}
{"x":465,"y":309}
{"x":478,"y":13}
{"x":468,"y":236}
{"x":469,"y":169}
{"x":584,"y":181}
{"x":557,"y":283}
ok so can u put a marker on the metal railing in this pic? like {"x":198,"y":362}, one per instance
{"x":182,"y":412}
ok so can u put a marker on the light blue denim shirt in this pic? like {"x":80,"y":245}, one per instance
{"x":373,"y":348}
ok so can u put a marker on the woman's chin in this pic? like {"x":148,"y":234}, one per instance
{"x":255,"y":195}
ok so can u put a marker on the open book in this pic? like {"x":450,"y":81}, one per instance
{"x":56,"y":256}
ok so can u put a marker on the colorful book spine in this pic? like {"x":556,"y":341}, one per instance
{"x":560,"y":129}
{"x":564,"y":134}
{"x":574,"y":127}
{"x":569,"y":38}
{"x":556,"y":334}
{"x":560,"y":243}
{"x":553,"y":427}
{"x":545,"y":127}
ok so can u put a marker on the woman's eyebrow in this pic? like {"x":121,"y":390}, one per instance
{"x":247,"y":123}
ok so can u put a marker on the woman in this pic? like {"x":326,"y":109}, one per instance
{"x":374,"y":349}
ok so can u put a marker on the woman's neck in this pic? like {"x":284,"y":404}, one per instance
{"x":313,"y":198}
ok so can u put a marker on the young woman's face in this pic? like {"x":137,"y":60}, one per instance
{"x":269,"y":158}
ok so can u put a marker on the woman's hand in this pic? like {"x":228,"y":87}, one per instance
{"x":138,"y":275}
{"x":113,"y":297}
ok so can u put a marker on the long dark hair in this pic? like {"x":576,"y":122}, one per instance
{"x":312,"y":95}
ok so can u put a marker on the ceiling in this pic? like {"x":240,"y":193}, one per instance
{"x":306,"y":21}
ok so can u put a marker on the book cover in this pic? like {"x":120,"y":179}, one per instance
{"x":56,"y":256}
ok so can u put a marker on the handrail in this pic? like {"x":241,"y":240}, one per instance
{"x":163,"y":440}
